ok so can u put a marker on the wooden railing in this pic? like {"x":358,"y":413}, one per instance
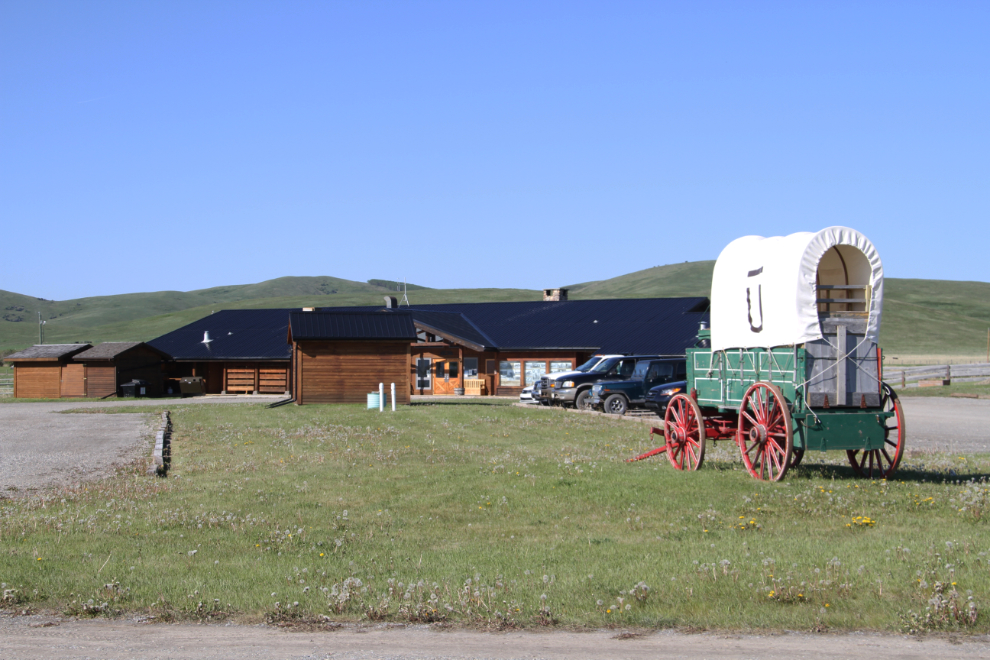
{"x":907,"y":376}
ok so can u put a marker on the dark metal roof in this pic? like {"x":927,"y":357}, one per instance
{"x":644,"y":326}
{"x":235,"y":334}
{"x":352,"y":325}
{"x":454,"y":325}
{"x":108,"y":350}
{"x":48,"y":352}
{"x":662,"y":326}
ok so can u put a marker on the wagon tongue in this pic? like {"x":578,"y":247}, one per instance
{"x":653,"y":452}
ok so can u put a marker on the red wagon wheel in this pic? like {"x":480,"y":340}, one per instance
{"x":684,"y":430}
{"x":765,"y":435}
{"x":882,"y":462}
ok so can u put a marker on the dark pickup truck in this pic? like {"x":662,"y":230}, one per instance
{"x":618,"y":396}
{"x":575,"y":389}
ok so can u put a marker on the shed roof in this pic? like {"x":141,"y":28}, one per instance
{"x":366,"y":325}
{"x":108,"y":350}
{"x":235,"y":334}
{"x":48,"y":352}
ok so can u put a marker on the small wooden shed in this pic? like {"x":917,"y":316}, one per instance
{"x":109,"y":365}
{"x":339,"y":357}
{"x":46,"y":371}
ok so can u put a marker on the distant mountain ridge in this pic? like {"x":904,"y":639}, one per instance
{"x":920,"y":316}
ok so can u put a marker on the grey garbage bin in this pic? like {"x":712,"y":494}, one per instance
{"x":192,"y":386}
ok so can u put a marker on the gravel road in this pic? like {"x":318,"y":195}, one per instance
{"x":45,"y":637}
{"x":943,"y":424}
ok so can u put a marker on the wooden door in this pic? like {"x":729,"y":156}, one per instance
{"x":446,"y":376}
{"x":73,"y":380}
{"x":101,"y":381}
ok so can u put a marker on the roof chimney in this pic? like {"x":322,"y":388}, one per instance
{"x":391,"y":302}
{"x":206,"y":338}
{"x":554,"y":295}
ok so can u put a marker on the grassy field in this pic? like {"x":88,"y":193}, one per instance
{"x":495,"y":516}
{"x":978,"y":388}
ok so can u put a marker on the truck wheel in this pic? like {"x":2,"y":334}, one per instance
{"x":616,"y":405}
{"x":581,"y":400}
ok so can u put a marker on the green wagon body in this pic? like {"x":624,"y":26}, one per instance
{"x":721,"y":378}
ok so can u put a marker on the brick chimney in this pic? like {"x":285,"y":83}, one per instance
{"x":554,"y":295}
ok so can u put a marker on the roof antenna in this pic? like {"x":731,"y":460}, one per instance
{"x":405,"y":298}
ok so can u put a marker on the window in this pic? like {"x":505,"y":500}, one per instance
{"x":661,"y":372}
{"x":470,"y":367}
{"x":640,"y":370}
{"x":509,"y":373}
{"x":621,"y":368}
{"x":535,"y":371}
{"x":440,"y":371}
{"x":423,"y":373}
{"x":454,"y":369}
{"x":557,"y":367}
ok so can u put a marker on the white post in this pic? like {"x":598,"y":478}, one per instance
{"x":381,"y":397}
{"x":393,"y":397}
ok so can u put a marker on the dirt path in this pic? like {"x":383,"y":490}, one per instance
{"x":44,"y":637}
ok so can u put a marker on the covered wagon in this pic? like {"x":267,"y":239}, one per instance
{"x":791,"y":363}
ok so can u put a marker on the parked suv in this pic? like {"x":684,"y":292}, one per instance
{"x":575,"y":390}
{"x":618,"y":396}
{"x":544,"y":390}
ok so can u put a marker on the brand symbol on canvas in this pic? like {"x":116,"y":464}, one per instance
{"x":749,"y":302}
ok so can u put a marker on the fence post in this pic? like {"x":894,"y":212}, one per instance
{"x":381,"y":397}
{"x":903,"y":378}
{"x":393,"y":397}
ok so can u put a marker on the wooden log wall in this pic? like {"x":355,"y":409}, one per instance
{"x":37,"y":380}
{"x":344,"y":372}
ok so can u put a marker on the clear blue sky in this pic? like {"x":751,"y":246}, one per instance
{"x":180,"y":145}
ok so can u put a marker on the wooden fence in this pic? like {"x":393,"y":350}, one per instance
{"x":907,"y":376}
{"x":6,"y":387}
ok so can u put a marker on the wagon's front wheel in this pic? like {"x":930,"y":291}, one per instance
{"x":881,"y":463}
{"x":684,"y":431}
{"x":765,"y":434}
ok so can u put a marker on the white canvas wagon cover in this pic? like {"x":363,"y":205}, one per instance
{"x":765,"y":290}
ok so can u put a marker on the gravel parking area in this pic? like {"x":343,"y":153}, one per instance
{"x":40,"y":447}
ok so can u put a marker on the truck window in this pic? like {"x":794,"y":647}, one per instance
{"x":604,"y":366}
{"x":625,"y":368}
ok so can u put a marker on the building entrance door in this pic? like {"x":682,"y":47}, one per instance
{"x":446,"y":376}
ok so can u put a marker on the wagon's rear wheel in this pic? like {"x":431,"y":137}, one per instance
{"x":796,"y":456}
{"x":684,"y":430}
{"x":881,"y":463}
{"x":765,"y":434}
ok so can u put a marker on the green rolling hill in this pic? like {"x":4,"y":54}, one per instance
{"x":921,"y":317}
